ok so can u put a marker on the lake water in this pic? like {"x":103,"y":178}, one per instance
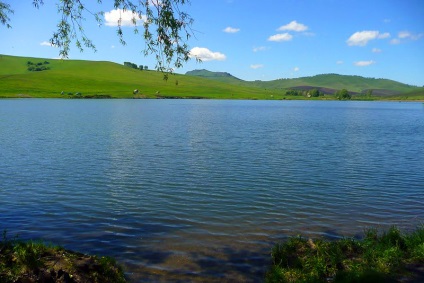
{"x":200,"y":190}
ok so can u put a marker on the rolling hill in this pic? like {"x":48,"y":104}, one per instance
{"x":107,"y":79}
{"x":327,"y":83}
{"x":97,"y":79}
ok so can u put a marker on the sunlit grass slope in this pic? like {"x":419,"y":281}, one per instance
{"x":416,"y":94}
{"x":92,"y":78}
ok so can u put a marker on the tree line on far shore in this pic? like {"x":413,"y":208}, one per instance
{"x":340,"y":94}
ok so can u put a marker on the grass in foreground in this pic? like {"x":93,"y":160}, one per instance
{"x":37,"y":262}
{"x":378,"y":257}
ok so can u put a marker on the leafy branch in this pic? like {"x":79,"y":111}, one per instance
{"x":166,"y":28}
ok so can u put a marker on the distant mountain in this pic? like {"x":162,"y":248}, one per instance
{"x":221,"y":76}
{"x":327,"y":83}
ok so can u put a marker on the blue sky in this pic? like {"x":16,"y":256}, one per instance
{"x":257,"y":40}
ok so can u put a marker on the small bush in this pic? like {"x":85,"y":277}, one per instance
{"x":37,"y":67}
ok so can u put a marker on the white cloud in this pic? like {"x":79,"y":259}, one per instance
{"x":205,"y":54}
{"x":296,"y":69}
{"x":294,"y":26}
{"x":154,"y":2}
{"x":395,"y":41}
{"x":280,"y":37}
{"x":260,"y":48}
{"x":409,"y":35}
{"x":383,"y":35}
{"x":46,"y":43}
{"x":257,"y":66}
{"x":361,"y":38}
{"x":376,"y":50}
{"x":113,"y":17}
{"x":364,"y":63}
{"x":339,"y":62}
{"x":404,"y":34}
{"x":231,"y":30}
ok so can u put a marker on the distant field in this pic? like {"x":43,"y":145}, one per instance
{"x":77,"y":78}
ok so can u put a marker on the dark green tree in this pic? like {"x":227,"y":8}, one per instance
{"x":165,"y":30}
{"x":131,"y":65}
{"x":343,"y":94}
{"x":314,"y":92}
{"x":293,"y":92}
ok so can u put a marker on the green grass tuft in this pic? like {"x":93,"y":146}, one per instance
{"x":37,"y":262}
{"x":378,"y":257}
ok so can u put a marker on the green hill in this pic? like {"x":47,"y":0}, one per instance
{"x":327,"y":83}
{"x":106,"y":79}
{"x":77,"y":78}
{"x":218,"y":76}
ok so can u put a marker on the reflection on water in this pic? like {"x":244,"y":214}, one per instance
{"x":200,"y":190}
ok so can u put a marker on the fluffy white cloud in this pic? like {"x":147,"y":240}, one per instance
{"x":280,"y":37}
{"x":46,"y":43}
{"x":256,"y":66}
{"x":296,"y":69}
{"x":205,"y":54}
{"x":339,"y":62}
{"x":364,"y":63}
{"x":361,"y":38}
{"x":231,"y":30}
{"x":376,"y":50}
{"x":113,"y":17}
{"x":294,"y":26}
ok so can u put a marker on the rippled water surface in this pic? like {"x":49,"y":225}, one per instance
{"x":200,"y":190}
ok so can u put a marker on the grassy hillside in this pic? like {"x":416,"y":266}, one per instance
{"x":108,"y":79}
{"x":328,"y":83}
{"x":218,"y":76}
{"x":352,"y":83}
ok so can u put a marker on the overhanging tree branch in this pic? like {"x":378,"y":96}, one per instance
{"x":166,"y":28}
{"x":5,"y":10}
